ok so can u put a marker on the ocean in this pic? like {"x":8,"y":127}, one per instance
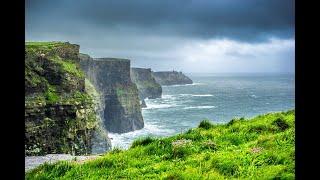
{"x":216,"y":97}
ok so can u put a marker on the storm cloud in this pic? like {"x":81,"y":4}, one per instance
{"x":162,"y":34}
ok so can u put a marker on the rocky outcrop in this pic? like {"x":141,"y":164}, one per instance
{"x":60,"y":114}
{"x":147,"y":85}
{"x":171,"y":78}
{"x":143,"y":103}
{"x":111,"y":77}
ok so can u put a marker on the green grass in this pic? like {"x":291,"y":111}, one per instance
{"x":259,"y":148}
{"x":68,"y":66}
{"x":42,"y":47}
{"x":205,"y":124}
{"x":51,"y":96}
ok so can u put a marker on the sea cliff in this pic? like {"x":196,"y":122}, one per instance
{"x":146,"y":84}
{"x":60,"y":115}
{"x":111,"y":77}
{"x":171,"y":78}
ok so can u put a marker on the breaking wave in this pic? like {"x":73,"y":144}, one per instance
{"x":200,"y":107}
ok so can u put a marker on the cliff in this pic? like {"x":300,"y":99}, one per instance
{"x":259,"y":148}
{"x":111,"y":77}
{"x":146,"y":84}
{"x":60,"y":115}
{"x":171,"y":78}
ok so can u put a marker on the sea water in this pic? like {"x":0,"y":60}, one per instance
{"x":216,"y":97}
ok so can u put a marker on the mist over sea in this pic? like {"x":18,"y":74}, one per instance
{"x":217,"y":97}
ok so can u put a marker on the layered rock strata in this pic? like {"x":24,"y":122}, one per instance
{"x":60,"y":115}
{"x":111,"y":77}
{"x":146,"y":84}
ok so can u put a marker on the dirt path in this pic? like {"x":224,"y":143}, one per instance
{"x":34,"y":161}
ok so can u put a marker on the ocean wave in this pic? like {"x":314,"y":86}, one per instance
{"x":195,"y":84}
{"x":196,"y":95}
{"x":178,"y":85}
{"x":124,"y":140}
{"x":185,"y":94}
{"x":202,"y":95}
{"x":200,"y":107}
{"x":253,"y":96}
{"x":167,"y":96}
{"x":159,"y":106}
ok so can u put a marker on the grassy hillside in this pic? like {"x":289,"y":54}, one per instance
{"x":259,"y":148}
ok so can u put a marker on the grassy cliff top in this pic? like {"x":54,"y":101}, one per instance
{"x":111,"y":59}
{"x":141,"y":69}
{"x":43,"y":43}
{"x":51,"y":48}
{"x":52,"y":69}
{"x":166,"y":72}
{"x":259,"y":148}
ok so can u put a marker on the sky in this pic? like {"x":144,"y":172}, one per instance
{"x":192,"y":36}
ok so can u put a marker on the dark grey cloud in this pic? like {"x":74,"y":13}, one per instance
{"x":188,"y":35}
{"x":247,"y":20}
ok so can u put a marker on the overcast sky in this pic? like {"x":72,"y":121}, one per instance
{"x":208,"y":36}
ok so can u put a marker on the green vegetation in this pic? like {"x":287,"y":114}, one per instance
{"x":37,"y":48}
{"x":205,"y":124}
{"x":147,"y":84}
{"x":43,"y":43}
{"x":68,"y":66}
{"x":126,"y":90}
{"x":120,"y":91}
{"x":142,"y":141}
{"x":51,"y":96}
{"x":60,"y":114}
{"x":259,"y":148}
{"x":53,"y":78}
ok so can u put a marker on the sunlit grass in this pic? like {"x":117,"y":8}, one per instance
{"x":259,"y":148}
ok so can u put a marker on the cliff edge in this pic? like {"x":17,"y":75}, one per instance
{"x":171,"y":78}
{"x":60,"y":115}
{"x":111,"y":77}
{"x":146,"y":84}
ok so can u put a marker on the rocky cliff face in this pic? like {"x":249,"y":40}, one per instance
{"x":111,"y":77}
{"x":146,"y":84}
{"x":171,"y":78}
{"x":60,"y":115}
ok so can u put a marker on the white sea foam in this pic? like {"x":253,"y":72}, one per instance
{"x":178,"y":85}
{"x":166,"y":101}
{"x":196,"y":95}
{"x":253,"y":96}
{"x":202,"y":95}
{"x":167,"y":97}
{"x":159,"y":106}
{"x":200,"y":107}
{"x":185,"y":94}
{"x":195,"y":84}
{"x":124,"y":140}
